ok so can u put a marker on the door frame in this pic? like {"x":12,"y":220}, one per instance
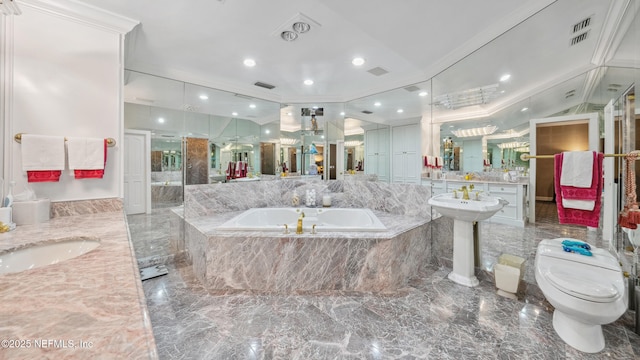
{"x":594,"y":139}
{"x":147,"y":164}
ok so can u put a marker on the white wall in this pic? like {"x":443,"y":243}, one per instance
{"x":67,"y":81}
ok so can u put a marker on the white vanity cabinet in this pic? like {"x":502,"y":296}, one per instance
{"x":437,"y":186}
{"x":514,"y":212}
{"x":515,"y":193}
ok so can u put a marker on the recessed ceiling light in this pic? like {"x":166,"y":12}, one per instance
{"x":358,"y":61}
{"x":234,"y":113}
{"x":423,"y":93}
{"x":342,"y":113}
{"x":377,"y":103}
{"x":524,"y":109}
{"x":301,"y":27}
{"x":161,"y":120}
{"x":400,"y":111}
{"x":253,"y":106}
{"x":308,"y":82}
{"x":204,"y":97}
{"x":249,"y":62}
{"x":288,"y":35}
{"x":505,"y":77}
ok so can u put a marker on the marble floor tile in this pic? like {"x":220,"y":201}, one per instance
{"x":433,"y":318}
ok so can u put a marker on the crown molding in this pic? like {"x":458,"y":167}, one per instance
{"x":83,"y":13}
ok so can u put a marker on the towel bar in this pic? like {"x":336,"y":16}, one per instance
{"x":526,"y":157}
{"x":111,"y":142}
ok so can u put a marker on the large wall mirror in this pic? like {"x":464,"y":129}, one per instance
{"x":483,"y":105}
{"x":200,"y":135}
{"x":371,"y":119}
{"x":312,"y":140}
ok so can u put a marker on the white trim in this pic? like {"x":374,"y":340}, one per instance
{"x":6,"y":94}
{"x":609,"y":210}
{"x":84,"y":13}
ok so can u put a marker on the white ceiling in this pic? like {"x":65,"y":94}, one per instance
{"x":459,"y":44}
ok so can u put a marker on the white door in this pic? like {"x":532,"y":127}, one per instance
{"x":137,"y":187}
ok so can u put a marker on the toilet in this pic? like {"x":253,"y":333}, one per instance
{"x":586,"y":291}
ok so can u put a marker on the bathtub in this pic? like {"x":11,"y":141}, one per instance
{"x":325,"y":219}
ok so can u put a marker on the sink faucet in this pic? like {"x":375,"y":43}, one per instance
{"x":299,"y":227}
{"x":465,"y":193}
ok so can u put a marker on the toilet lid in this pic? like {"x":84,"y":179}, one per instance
{"x":586,"y":285}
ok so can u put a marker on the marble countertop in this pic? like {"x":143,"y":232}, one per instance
{"x":91,"y":306}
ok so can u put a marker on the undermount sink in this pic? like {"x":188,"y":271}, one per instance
{"x":43,"y":254}
{"x":467,"y":210}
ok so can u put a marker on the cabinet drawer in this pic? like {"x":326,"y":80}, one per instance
{"x":507,"y":212}
{"x":495,"y":188}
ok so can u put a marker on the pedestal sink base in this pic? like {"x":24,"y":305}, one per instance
{"x":463,"y":280}
{"x":463,"y":256}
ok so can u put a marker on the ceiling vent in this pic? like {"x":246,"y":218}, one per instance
{"x":581,"y":25}
{"x":367,"y":112}
{"x":264,"y":85}
{"x":412,"y":88}
{"x":580,"y":38}
{"x":377,"y":71}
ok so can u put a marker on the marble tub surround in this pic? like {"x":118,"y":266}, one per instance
{"x":380,"y":261}
{"x":400,"y":199}
{"x":166,"y":176}
{"x":205,"y":200}
{"x":94,"y":300}
{"x":163,"y":196}
{"x":383,"y":261}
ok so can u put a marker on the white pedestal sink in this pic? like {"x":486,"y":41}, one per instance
{"x":464,"y":213}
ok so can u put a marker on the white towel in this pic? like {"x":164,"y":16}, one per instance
{"x":42,"y":152}
{"x":85,"y":153}
{"x":588,"y":205}
{"x":577,"y":169}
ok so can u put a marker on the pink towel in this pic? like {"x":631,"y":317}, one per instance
{"x":576,"y":216}
{"x":581,"y":193}
{"x":43,"y":175}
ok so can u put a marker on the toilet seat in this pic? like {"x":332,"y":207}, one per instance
{"x":586,"y":285}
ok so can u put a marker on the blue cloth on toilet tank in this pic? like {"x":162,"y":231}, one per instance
{"x":576,"y":243}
